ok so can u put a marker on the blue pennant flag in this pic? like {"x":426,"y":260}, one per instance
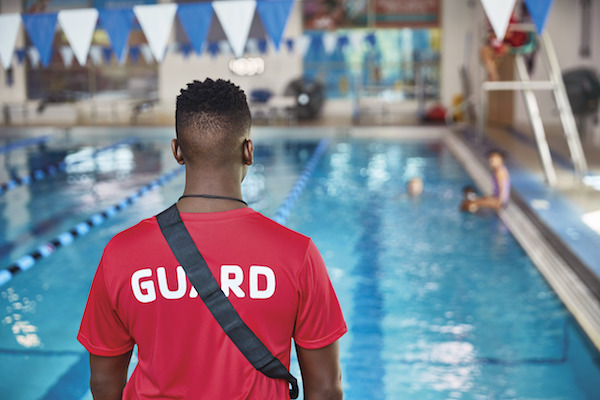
{"x":290,"y":45}
{"x":262,"y":46}
{"x":195,"y":20}
{"x":342,"y":42}
{"x":21,"y":55}
{"x":213,"y":48}
{"x":538,"y":10}
{"x":186,"y":49}
{"x":107,"y":54}
{"x":371,"y":39}
{"x":117,"y":23}
{"x":274,"y":15}
{"x":134,"y":54}
{"x":41,"y":29}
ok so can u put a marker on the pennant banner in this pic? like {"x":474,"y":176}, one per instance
{"x":539,"y":10}
{"x":34,"y":57}
{"x":41,"y":29}
{"x":274,"y":16}
{"x":79,"y":27}
{"x":499,"y":13}
{"x":156,"y":22}
{"x":329,"y":42}
{"x":195,"y":20}
{"x":146,"y":54}
{"x":117,"y":23}
{"x":67,"y":55}
{"x":356,"y":39}
{"x":235,"y":17}
{"x":96,"y":55}
{"x":9,"y":28}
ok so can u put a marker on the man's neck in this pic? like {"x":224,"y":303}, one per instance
{"x":229,"y":188}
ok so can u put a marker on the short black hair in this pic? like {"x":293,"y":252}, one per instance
{"x":492,"y":152}
{"x":211,"y":119}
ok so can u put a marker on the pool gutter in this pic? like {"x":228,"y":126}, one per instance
{"x":561,"y":268}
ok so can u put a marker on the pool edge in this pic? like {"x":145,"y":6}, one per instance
{"x":558,"y":272}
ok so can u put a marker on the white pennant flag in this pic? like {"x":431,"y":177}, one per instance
{"x":96,"y":55}
{"x":9,"y":28}
{"x":329,"y":42}
{"x":236,"y":17}
{"x":79,"y":26}
{"x":356,"y":39}
{"x":34,"y":56}
{"x":157,"y":22}
{"x":146,"y":53}
{"x":67,"y":54}
{"x":302,"y":44}
{"x":498,"y":13}
{"x":225,"y":48}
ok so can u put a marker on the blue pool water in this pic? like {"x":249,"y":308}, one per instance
{"x":439,"y":304}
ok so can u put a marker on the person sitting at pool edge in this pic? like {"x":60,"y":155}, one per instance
{"x":274,"y":277}
{"x":501,"y":187}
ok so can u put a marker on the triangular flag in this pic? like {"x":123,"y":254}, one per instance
{"x":96,"y":55}
{"x":79,"y":26}
{"x":134,"y":54}
{"x":21,"y":55}
{"x":343,"y":41}
{"x":499,"y":13}
{"x":224,"y":47}
{"x":41,"y":29}
{"x":302,"y":44}
{"x":9,"y":28}
{"x":262,"y":46}
{"x":195,"y":20}
{"x":371,"y":39}
{"x":539,"y":10}
{"x":356,"y":39}
{"x":330,"y":40}
{"x":186,"y":49}
{"x":252,"y":46}
{"x":274,"y":15}
{"x":236,"y":17}
{"x":67,"y":55}
{"x":146,"y":53}
{"x":106,"y":54}
{"x":117,"y":23}
{"x":156,"y":21}
{"x":213,"y":49}
{"x":34,"y":56}
{"x":290,"y":45}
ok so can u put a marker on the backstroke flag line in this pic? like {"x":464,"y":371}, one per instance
{"x":539,"y":10}
{"x":9,"y":28}
{"x":41,"y":29}
{"x":79,"y":26}
{"x":498,"y":13}
{"x":118,"y":23}
{"x":195,"y":20}
{"x":274,"y":15}
{"x":156,"y":21}
{"x":236,"y":17}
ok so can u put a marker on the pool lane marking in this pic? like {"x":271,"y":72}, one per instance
{"x":285,"y":209}
{"x":24,"y":143}
{"x":54,"y":168}
{"x":26,"y":262}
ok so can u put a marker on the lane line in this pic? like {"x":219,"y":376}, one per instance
{"x":64,"y":239}
{"x":24,"y":143}
{"x":54,"y":168}
{"x":285,"y":209}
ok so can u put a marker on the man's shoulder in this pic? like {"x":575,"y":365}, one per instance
{"x":138,"y":233}
{"x":282,"y":231}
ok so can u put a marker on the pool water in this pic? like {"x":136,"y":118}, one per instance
{"x":439,"y":304}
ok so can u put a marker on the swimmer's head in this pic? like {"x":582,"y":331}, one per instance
{"x":495,"y":158}
{"x":415,"y":187}
{"x":469,"y":193}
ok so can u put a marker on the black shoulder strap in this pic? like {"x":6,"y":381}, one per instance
{"x":197,"y":271}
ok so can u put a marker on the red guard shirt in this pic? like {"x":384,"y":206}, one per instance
{"x":274,"y":277}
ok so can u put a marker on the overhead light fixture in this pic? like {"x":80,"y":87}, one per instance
{"x":247,"y":66}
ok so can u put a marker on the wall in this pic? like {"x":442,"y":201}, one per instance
{"x":17,"y":93}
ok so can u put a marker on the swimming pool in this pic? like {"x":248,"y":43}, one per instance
{"x":439,"y":304}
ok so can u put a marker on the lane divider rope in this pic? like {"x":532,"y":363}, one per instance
{"x":64,"y":239}
{"x":285,"y":209}
{"x":54,"y":168}
{"x":24,"y":143}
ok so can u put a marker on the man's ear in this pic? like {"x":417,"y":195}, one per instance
{"x":248,"y":152}
{"x":177,"y":153}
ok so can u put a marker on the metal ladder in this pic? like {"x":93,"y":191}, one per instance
{"x":527,"y":86}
